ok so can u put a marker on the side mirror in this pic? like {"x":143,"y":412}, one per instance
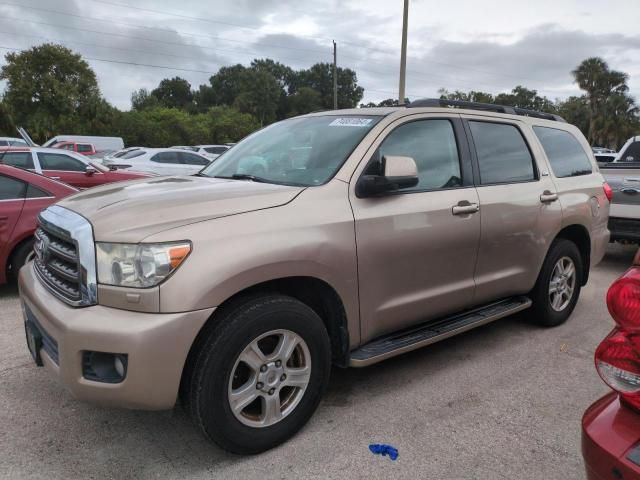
{"x":398,"y":173}
{"x":90,"y":170}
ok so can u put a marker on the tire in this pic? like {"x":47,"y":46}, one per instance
{"x":546,"y":310}
{"x":18,"y":258}
{"x":216,"y":371}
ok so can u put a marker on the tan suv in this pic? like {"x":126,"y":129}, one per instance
{"x":342,"y":237}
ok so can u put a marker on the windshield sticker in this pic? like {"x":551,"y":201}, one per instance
{"x":351,"y":122}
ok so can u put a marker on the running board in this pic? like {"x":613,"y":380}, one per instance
{"x":432,"y":332}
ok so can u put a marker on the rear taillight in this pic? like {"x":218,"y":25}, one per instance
{"x":623,"y":300}
{"x":618,"y":356}
{"x":618,"y":363}
{"x":608,"y":191}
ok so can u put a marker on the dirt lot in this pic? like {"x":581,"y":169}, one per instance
{"x":502,"y":401}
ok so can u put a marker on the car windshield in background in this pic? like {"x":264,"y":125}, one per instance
{"x":302,"y":151}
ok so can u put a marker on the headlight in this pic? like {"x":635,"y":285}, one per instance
{"x":139,"y":265}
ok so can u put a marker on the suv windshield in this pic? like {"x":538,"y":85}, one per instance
{"x":303,"y":151}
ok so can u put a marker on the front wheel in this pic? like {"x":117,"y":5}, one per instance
{"x":558,"y":286}
{"x":260,"y":374}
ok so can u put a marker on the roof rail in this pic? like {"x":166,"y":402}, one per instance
{"x":487,"y":107}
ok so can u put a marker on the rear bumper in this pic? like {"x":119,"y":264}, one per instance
{"x":157,"y":346}
{"x":611,"y":440}
{"x":624,"y":229}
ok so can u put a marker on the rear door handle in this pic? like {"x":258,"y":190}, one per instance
{"x":55,"y":178}
{"x":548,"y":197}
{"x":464,"y":208}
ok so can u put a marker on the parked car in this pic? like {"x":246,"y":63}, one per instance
{"x":624,"y":217}
{"x":12,"y":142}
{"x":118,"y":153}
{"x":630,"y":151}
{"x":68,"y":167}
{"x":605,"y":158}
{"x":370,"y":233}
{"x":210,"y":151}
{"x":101,"y":144}
{"x":23,"y":195}
{"x":160,"y":161}
{"x":82,"y":148}
{"x":597,"y":150}
{"x":611,"y":426}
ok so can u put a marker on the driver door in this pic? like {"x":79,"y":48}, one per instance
{"x":417,"y":253}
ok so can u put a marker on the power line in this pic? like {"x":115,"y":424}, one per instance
{"x":139,"y":38}
{"x":166,"y":30}
{"x":202,"y":19}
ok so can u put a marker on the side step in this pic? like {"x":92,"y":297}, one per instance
{"x":406,"y":340}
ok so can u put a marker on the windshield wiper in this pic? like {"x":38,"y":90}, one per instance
{"x":244,"y":176}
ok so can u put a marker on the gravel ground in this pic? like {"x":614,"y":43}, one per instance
{"x":500,"y":402}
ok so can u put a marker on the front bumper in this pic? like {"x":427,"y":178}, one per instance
{"x":157,"y":346}
{"x":611,"y":440}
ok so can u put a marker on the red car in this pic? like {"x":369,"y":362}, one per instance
{"x":22,"y":196}
{"x":68,"y":167}
{"x":611,"y":426}
{"x":82,"y":148}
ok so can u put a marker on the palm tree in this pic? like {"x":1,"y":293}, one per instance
{"x":594,"y":77}
{"x":589,"y":75}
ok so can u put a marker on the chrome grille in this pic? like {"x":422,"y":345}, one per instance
{"x":57,"y":263}
{"x":65,"y":256}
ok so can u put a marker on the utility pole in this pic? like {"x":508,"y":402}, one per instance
{"x":335,"y":77}
{"x":403,"y":54}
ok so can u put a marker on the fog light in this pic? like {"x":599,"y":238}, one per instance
{"x":104,"y":367}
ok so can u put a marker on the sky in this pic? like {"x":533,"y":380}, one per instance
{"x":489,"y":45}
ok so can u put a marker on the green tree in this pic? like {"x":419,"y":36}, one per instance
{"x":173,"y":93}
{"x":319,"y":77}
{"x":522,"y":97}
{"x":305,"y":100}
{"x":472,"y":96}
{"x":7,"y":127}
{"x":599,"y":82}
{"x":575,"y":110}
{"x":142,"y":99}
{"x":259,"y":95}
{"x":48,"y":86}
{"x":227,"y":84}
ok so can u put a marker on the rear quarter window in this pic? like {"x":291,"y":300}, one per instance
{"x":564,"y":151}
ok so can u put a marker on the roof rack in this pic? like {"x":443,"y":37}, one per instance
{"x":487,"y":107}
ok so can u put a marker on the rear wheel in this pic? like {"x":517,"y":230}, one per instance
{"x":558,"y":286}
{"x":259,"y":374}
{"x":19,"y":257}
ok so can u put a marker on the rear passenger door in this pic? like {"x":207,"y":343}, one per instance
{"x":417,"y":247}
{"x":192,"y":164}
{"x":519,"y":209}
{"x":22,"y":160}
{"x":12,"y":198}
{"x":167,"y":163}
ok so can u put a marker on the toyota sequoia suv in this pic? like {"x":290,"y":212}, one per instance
{"x":341,"y":237}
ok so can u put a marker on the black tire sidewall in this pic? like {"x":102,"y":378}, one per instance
{"x":542,"y":312}
{"x":19,"y":258}
{"x":218,"y":358}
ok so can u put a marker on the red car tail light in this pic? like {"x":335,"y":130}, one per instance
{"x":608,"y":191}
{"x":623,"y":300}
{"x":618,"y":364}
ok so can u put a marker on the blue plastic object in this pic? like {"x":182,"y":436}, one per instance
{"x":384,"y":449}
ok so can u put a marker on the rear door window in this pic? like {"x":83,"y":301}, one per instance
{"x":216,"y":150}
{"x":60,"y":161}
{"x":190,"y":159}
{"x":565,"y":154}
{"x":503,"y":154}
{"x":166,"y":157}
{"x":35,"y":192}
{"x":11,"y":189}
{"x":18,"y":159}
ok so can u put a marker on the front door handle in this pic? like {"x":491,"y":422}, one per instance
{"x":548,"y":197}
{"x":464,"y":208}
{"x":55,"y":178}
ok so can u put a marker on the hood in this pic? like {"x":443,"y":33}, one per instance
{"x":131,"y":211}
